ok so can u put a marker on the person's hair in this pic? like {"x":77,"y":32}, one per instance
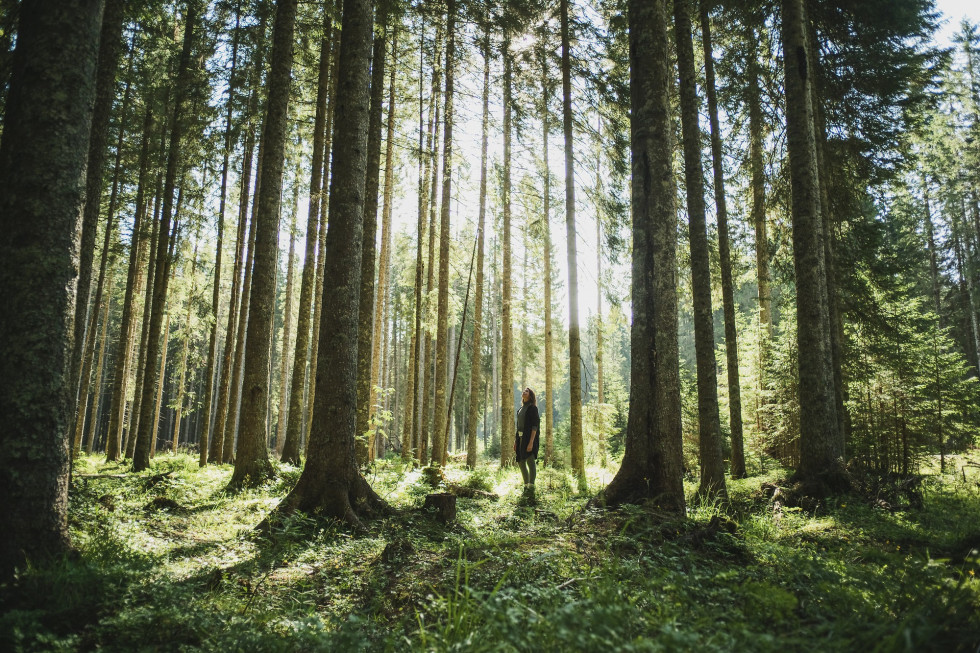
{"x":532,"y":399}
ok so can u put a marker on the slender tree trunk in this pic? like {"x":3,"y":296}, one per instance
{"x":161,"y":380}
{"x":724,"y":253}
{"x":365,"y":332}
{"x":653,"y":462}
{"x":440,"y":428}
{"x":507,"y":422}
{"x":252,"y":465}
{"x":549,"y":346}
{"x":97,"y":393}
{"x":110,"y":46}
{"x":184,"y":355}
{"x":574,"y":344}
{"x":330,"y":483}
{"x":46,"y":125}
{"x":141,"y":455}
{"x":477,"y":348}
{"x":216,"y":293}
{"x":821,"y":450}
{"x":287,"y":322}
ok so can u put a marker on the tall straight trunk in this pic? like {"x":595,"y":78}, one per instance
{"x":758,"y":184}
{"x":549,"y":342}
{"x":209,"y":381}
{"x":330,"y":483}
{"x":134,"y":411}
{"x":599,"y":380}
{"x":161,"y":380}
{"x":137,"y":247}
{"x":100,"y":366}
{"x":574,"y":341}
{"x":46,"y":125}
{"x":709,"y":424}
{"x":384,"y":260}
{"x":476,"y":352}
{"x":431,"y":173}
{"x":294,"y":425}
{"x":724,"y":252}
{"x":252,"y":464}
{"x":287,"y":322}
{"x":141,"y":455}
{"x":84,"y":383}
{"x":184,"y":354}
{"x":966,"y":285}
{"x":440,"y":427}
{"x":365,"y":332}
{"x":110,"y":46}
{"x":507,"y":422}
{"x":653,"y":464}
{"x":821,"y":449}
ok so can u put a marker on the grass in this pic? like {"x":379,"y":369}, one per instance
{"x":170,"y":561}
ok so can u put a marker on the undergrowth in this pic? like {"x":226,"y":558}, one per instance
{"x":170,"y":560}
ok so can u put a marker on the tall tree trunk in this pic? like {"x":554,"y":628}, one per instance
{"x":574,"y":344}
{"x":42,"y":163}
{"x":507,"y":422}
{"x":161,"y":380}
{"x":653,"y":463}
{"x":110,"y":46}
{"x":549,"y":347}
{"x":294,"y":425}
{"x":440,"y":426}
{"x":365,"y":332}
{"x":821,"y":450}
{"x":384,"y":262}
{"x":137,"y":248}
{"x":216,"y":293}
{"x":331,"y":484}
{"x":252,"y":465}
{"x":141,"y":454}
{"x":724,"y":252}
{"x":97,"y":391}
{"x":477,"y":349}
{"x":287,"y":323}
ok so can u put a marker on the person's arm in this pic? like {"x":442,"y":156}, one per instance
{"x":534,"y":431}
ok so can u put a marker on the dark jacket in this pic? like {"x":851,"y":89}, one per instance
{"x":532,"y":422}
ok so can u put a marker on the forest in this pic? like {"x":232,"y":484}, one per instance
{"x":489,"y":325}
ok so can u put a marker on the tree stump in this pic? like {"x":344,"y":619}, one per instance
{"x":444,"y":504}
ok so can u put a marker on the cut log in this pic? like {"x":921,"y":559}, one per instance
{"x":444,"y":504}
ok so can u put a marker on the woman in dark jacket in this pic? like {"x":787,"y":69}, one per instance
{"x":526,"y":438}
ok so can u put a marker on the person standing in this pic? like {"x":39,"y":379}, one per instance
{"x":526,"y":439}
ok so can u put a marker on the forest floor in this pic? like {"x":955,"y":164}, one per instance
{"x":170,"y":561}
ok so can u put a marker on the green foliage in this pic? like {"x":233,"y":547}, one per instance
{"x":558,"y":576}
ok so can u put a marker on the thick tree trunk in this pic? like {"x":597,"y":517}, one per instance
{"x":365,"y":331}
{"x":330,"y":484}
{"x":141,"y":454}
{"x":653,"y":463}
{"x":574,"y":340}
{"x":110,"y":46}
{"x":42,"y":165}
{"x":477,"y":349}
{"x":252,"y":464}
{"x":209,"y":381}
{"x":440,"y":426}
{"x":709,"y":425}
{"x":507,"y":422}
{"x":821,"y":449}
{"x":724,"y":252}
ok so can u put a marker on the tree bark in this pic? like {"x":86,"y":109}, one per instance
{"x":184,"y":354}
{"x":252,"y":464}
{"x":141,"y":454}
{"x":821,"y":449}
{"x":477,"y":348}
{"x":331,"y":484}
{"x":724,"y":253}
{"x":549,"y":346}
{"x":287,"y":323}
{"x":709,"y":426}
{"x":365,"y":332}
{"x":652,"y":464}
{"x":100,"y":366}
{"x":574,"y":344}
{"x":507,"y":422}
{"x":42,"y":164}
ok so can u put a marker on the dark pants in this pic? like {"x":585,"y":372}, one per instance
{"x":528,"y":469}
